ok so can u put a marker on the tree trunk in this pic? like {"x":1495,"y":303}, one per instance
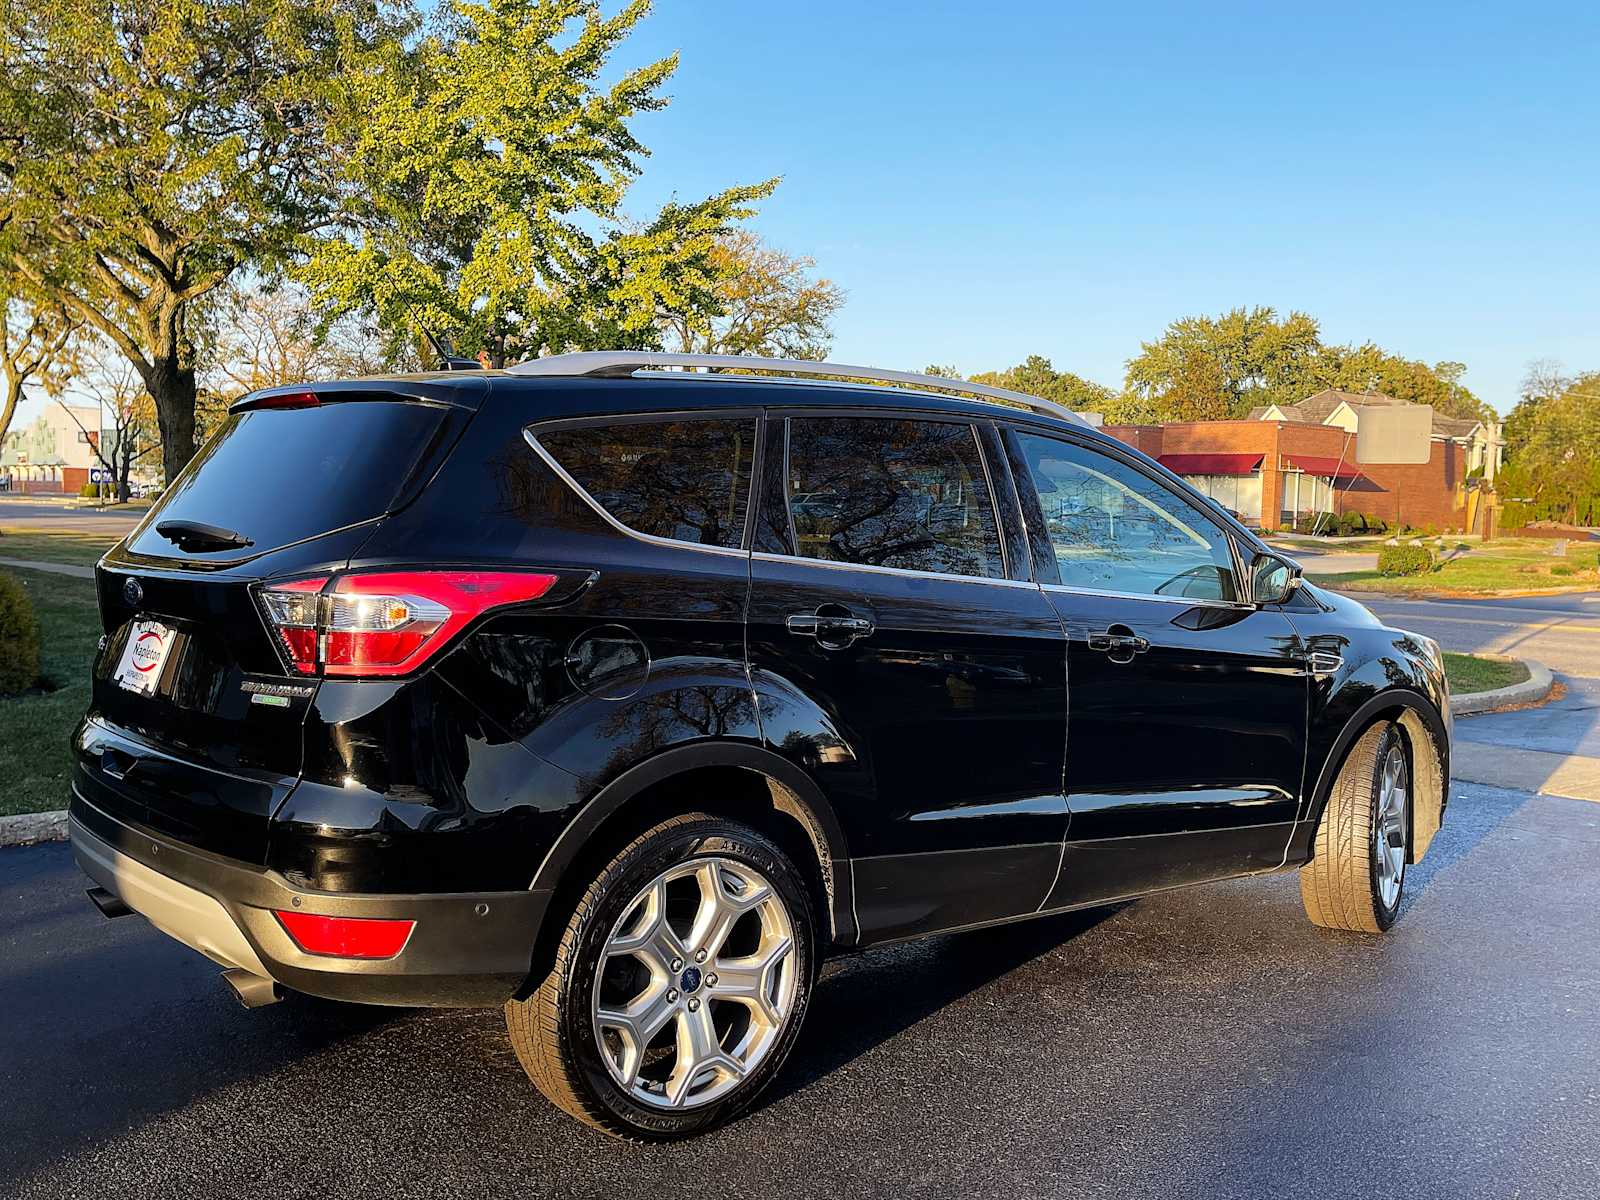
{"x":172,"y":387}
{"x":13,"y":395}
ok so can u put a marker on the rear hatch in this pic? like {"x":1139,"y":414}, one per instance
{"x":195,"y":725}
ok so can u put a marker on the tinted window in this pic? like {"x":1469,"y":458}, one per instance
{"x":892,"y":493}
{"x":280,"y":475}
{"x":685,"y":480}
{"x":1115,"y":529}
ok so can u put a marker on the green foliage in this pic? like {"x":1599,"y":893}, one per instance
{"x":1035,"y":376}
{"x":1553,"y":474}
{"x":1219,"y":368}
{"x":1405,"y":560}
{"x":89,"y":491}
{"x":150,"y":149}
{"x":19,"y":638}
{"x":1351,"y":523}
{"x":486,"y":166}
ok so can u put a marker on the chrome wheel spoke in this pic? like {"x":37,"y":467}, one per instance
{"x":720,"y":908}
{"x":637,"y":1025}
{"x":752,"y":981}
{"x":1389,"y":827}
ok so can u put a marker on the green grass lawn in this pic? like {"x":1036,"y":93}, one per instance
{"x":34,"y":728}
{"x":1505,"y":566}
{"x":82,"y":549}
{"x":1468,"y":673}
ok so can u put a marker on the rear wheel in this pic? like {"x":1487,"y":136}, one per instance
{"x":679,"y":984}
{"x":1357,"y":873}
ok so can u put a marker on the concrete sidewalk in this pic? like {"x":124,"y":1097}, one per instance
{"x":27,"y":564}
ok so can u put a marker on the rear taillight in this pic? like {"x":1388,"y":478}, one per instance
{"x":300,"y":399}
{"x":386,"y":623}
{"x":346,"y":937}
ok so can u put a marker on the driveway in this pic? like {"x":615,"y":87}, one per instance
{"x":1201,"y":1043}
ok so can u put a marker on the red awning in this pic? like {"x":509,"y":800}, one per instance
{"x":1211,"y":464}
{"x":1328,"y":468}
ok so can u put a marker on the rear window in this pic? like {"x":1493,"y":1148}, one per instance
{"x":684,"y":480}
{"x":278,"y":476}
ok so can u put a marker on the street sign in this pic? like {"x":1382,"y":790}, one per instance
{"x":99,"y":475}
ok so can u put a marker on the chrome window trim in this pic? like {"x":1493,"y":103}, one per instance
{"x":1186,"y":601}
{"x":906,"y":572}
{"x":939,"y":418}
{"x":740,"y":551}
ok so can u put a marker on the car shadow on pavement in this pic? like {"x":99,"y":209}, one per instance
{"x":865,"y":999}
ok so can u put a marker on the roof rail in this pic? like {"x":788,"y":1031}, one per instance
{"x":624,"y":363}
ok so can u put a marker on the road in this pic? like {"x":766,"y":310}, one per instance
{"x":1201,"y":1043}
{"x":45,"y":516}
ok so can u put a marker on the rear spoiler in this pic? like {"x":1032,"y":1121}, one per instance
{"x":454,"y":389}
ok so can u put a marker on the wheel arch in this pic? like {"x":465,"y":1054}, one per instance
{"x":741,"y":782}
{"x":1423,"y":729}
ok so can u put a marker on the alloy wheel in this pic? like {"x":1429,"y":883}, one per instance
{"x":695,"y":983}
{"x":1389,"y":827}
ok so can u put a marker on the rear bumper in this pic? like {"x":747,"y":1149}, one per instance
{"x":468,"y":949}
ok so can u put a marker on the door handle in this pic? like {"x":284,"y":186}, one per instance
{"x":1120,"y":643}
{"x":832,"y":630}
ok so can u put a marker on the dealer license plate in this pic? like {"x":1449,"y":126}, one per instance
{"x":149,"y":643}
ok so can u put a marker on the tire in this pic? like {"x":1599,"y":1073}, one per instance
{"x":1356,"y":878}
{"x":711,"y":1041}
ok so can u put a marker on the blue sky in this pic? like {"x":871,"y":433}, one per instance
{"x":989,"y":181}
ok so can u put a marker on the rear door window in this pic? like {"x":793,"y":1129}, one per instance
{"x":686,"y":480}
{"x":890,"y":492}
{"x":277,"y":476}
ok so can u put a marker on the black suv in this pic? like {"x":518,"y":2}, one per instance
{"x":621,"y":694}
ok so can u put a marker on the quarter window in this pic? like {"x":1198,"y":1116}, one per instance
{"x":886,"y":492}
{"x":684,"y":480}
{"x":1115,"y":529}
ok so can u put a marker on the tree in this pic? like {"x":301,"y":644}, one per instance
{"x":149,"y":149}
{"x":35,"y":343}
{"x":1555,"y":472}
{"x":1217,"y":368}
{"x":116,"y":386}
{"x":1213,"y":368}
{"x":1036,"y":376}
{"x":486,"y":168}
{"x":766,"y":303}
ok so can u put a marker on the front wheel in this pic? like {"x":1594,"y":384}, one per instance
{"x":679,"y":984}
{"x":1357,"y":872}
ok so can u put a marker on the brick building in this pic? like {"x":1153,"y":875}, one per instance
{"x":1285,"y":460}
{"x":54,"y":453}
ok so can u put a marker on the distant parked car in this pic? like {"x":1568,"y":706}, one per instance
{"x":622,"y":701}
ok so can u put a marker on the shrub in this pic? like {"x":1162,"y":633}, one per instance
{"x":1375,"y":524}
{"x":1351,"y":524}
{"x":19,"y":638}
{"x":1405,"y":560}
{"x":89,"y":491}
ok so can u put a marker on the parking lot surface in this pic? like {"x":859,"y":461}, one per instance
{"x":1201,"y":1043}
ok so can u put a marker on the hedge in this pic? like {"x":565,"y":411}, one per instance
{"x":1405,"y":560}
{"x":19,"y":638}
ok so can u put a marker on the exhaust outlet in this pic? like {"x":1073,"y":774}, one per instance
{"x":251,"y":989}
{"x":110,"y":905}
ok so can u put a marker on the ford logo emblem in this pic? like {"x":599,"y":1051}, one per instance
{"x":133,"y":592}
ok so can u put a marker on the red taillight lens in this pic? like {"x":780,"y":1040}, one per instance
{"x":387,"y":623}
{"x":292,"y":612}
{"x":346,"y":937}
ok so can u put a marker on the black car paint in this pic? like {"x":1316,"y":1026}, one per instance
{"x":493,"y":767}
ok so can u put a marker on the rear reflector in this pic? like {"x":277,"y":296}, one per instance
{"x":386,"y":623}
{"x":346,"y":937}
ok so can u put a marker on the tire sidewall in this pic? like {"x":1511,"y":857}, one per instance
{"x":1390,"y":740}
{"x":707,"y":838}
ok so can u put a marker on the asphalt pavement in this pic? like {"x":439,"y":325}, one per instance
{"x":44,"y":515}
{"x":1209,"y":1042}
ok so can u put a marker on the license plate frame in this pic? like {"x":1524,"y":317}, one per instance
{"x":144,"y":658}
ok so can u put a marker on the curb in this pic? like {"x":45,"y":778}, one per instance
{"x":30,"y":828}
{"x":1530,"y":691}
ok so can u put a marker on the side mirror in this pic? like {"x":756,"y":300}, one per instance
{"x":1272,"y":579}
